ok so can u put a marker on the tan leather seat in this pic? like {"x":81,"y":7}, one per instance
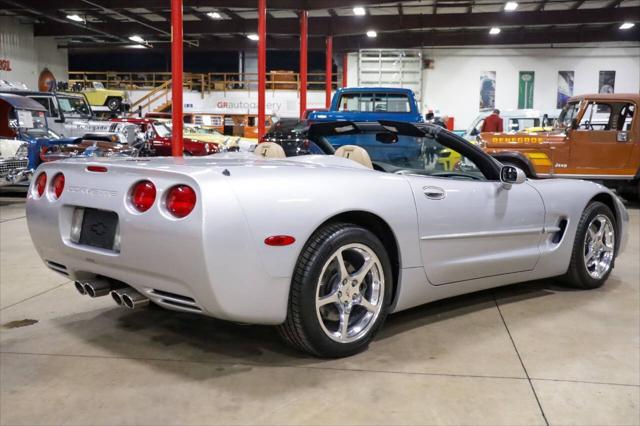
{"x":355,"y":153}
{"x":269,"y":150}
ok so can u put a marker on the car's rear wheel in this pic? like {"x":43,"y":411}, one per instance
{"x":594,"y":248}
{"x":113,"y":104}
{"x":340,"y":292}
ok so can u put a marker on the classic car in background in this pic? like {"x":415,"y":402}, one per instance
{"x":596,"y":137}
{"x":99,"y":96}
{"x":527,"y":120}
{"x":158,"y":136}
{"x":24,"y":132}
{"x":224,"y":142}
{"x":14,"y":161}
{"x":359,"y":104}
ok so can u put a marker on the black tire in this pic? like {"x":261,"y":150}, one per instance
{"x":577,"y":275}
{"x":302,"y":329}
{"x":114,"y":104}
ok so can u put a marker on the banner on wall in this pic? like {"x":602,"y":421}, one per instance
{"x":487,"y":90}
{"x":607,"y":82}
{"x":565,"y":88}
{"x":525,"y":89}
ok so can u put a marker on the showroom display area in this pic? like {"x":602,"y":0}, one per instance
{"x":429,"y":214}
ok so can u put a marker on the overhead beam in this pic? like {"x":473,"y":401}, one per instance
{"x":420,"y":39}
{"x":349,"y":25}
{"x":250,"y":4}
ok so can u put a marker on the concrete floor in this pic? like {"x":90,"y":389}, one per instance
{"x":520,"y":355}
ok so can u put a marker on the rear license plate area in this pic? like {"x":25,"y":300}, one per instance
{"x":99,"y":228}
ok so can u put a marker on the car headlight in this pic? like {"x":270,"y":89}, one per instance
{"x":23,"y":151}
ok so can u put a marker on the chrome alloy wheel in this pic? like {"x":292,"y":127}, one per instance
{"x":599,"y":244}
{"x":350,"y":293}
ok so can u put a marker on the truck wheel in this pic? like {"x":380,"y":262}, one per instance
{"x":594,"y":251}
{"x":114,"y":104}
{"x":340,"y":292}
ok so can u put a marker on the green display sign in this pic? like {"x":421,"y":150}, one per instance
{"x":525,"y":89}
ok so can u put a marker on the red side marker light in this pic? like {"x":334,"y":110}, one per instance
{"x":279,"y":240}
{"x":57,"y":185}
{"x":97,"y":169}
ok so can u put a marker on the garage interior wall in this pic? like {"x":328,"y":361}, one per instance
{"x":456,"y":75}
{"x":29,"y":55}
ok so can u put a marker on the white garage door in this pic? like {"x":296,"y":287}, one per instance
{"x":391,"y":68}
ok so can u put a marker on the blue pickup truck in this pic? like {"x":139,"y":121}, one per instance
{"x":360,"y":104}
{"x":366,"y":104}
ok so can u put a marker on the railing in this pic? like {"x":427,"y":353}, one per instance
{"x":203,"y":82}
{"x":154,"y":95}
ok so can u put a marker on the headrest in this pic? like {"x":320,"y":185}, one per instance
{"x":269,"y":150}
{"x":355,"y":153}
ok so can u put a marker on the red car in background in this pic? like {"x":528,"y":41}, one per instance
{"x":158,"y":136}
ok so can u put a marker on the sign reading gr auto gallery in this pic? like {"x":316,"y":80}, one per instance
{"x":225,"y":104}
{"x":5,"y":65}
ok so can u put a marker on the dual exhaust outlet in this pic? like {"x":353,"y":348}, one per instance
{"x":123,"y":295}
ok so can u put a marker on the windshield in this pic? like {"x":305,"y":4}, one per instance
{"x":411,"y":155}
{"x":32,"y":123}
{"x":568,"y":114}
{"x":74,"y":106}
{"x":162,"y":130}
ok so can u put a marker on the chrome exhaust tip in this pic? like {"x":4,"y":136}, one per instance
{"x":133,"y":299}
{"x":115,"y":295}
{"x":80,"y":287}
{"x":97,"y":288}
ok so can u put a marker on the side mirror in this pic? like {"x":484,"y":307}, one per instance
{"x":386,"y":137}
{"x":510,"y":175}
{"x":474,"y":132}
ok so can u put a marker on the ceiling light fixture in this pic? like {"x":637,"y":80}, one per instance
{"x":137,"y":39}
{"x":359,"y":11}
{"x":214,"y":15}
{"x":494,"y":31}
{"x":627,"y":26}
{"x":76,"y":18}
{"x":372,"y":34}
{"x":253,"y":37}
{"x":136,"y":46}
{"x":510,"y":6}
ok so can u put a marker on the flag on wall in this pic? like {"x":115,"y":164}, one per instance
{"x":525,"y":89}
{"x":565,"y":88}
{"x":487,"y":90}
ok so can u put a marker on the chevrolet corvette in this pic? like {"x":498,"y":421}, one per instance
{"x":323,"y":246}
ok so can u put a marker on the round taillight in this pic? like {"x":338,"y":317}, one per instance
{"x":41,"y":183}
{"x":57,"y":185}
{"x":181,"y":200}
{"x":143,"y":195}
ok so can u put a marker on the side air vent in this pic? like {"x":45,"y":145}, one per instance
{"x":556,"y":237}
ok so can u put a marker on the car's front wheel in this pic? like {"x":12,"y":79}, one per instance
{"x":340,"y":292}
{"x":594,"y":248}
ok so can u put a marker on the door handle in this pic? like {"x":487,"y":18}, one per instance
{"x":434,"y":193}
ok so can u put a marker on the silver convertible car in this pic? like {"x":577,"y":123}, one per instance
{"x":323,"y":243}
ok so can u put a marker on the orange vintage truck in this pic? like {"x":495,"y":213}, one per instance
{"x":596,"y":137}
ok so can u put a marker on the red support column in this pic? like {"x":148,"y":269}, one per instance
{"x":177,"y":144}
{"x":328,"y":71}
{"x":262,"y":64}
{"x":345,"y":67}
{"x":303,"y":61}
